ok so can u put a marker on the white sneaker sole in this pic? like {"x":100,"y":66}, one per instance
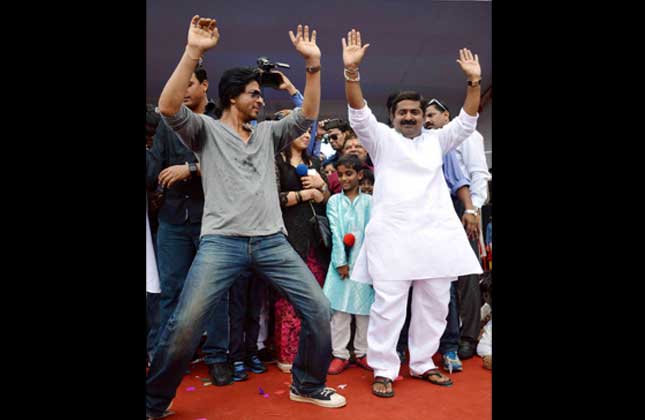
{"x":326,"y":404}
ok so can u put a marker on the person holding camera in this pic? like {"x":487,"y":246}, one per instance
{"x":414,"y":236}
{"x":242,"y":226}
{"x":172,"y":170}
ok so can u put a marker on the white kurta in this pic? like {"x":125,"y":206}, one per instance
{"x":414,"y":231}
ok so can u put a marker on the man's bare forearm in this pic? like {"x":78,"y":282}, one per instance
{"x":471,"y":104}
{"x":311,"y":97}
{"x":173,"y":92}
{"x":463,"y":194}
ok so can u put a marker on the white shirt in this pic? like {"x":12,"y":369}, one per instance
{"x":472,"y":162}
{"x":152,"y":276}
{"x":414,"y":232}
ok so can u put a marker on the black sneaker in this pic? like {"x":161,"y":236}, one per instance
{"x":255,"y":365}
{"x":239,"y":372}
{"x":466,"y":350}
{"x":221,"y":373}
{"x":266,"y":356}
{"x":326,"y":397}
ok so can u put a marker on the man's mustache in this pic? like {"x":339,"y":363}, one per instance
{"x":408,"y":122}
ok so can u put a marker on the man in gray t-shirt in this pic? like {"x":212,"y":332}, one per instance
{"x":242,"y":227}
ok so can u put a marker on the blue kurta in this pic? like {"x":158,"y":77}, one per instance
{"x":347,"y":217}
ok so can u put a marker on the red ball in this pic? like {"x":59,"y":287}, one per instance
{"x":349,"y":239}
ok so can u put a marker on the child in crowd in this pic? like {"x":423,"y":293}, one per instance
{"x":485,"y":345}
{"x":328,"y":167}
{"x":367,"y":182}
{"x":348,"y":214}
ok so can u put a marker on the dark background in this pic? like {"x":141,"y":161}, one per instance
{"x":414,"y":44}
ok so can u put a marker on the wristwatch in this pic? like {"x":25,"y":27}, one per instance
{"x":474,"y":212}
{"x":474,"y":83}
{"x":192,"y":167}
{"x":313,"y":69}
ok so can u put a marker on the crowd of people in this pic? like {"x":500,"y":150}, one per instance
{"x":261,"y":249}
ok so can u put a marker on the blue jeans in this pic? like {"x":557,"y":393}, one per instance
{"x":219,"y":262}
{"x":152,"y":321}
{"x":450,"y":338}
{"x":177,"y":246}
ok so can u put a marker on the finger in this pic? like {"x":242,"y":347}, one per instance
{"x":194,"y":20}
{"x":212,"y":25}
{"x":292,"y":36}
{"x":344,"y":43}
{"x":203,"y":22}
{"x":365,"y":47}
{"x":358,"y":39}
{"x":349,"y":38}
{"x":299,"y":33}
{"x":476,"y":58}
{"x":306,"y":34}
{"x":353,"y":36}
{"x":313,"y":36}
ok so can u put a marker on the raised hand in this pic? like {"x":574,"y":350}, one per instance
{"x":353,"y":50}
{"x":203,"y":34}
{"x":469,"y":64}
{"x":305,"y":45}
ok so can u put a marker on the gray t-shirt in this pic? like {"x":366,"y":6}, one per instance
{"x":239,"y":181}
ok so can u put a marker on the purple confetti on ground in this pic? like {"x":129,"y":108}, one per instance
{"x":261,"y":391}
{"x":266,"y":395}
{"x":190,"y":388}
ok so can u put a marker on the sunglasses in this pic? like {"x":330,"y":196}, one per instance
{"x":439,"y":104}
{"x":255,"y":94}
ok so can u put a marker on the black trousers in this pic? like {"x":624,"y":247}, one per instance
{"x":469,"y":295}
{"x":245,"y":302}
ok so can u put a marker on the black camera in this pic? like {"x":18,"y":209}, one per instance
{"x":335,"y":123}
{"x":269,"y":78}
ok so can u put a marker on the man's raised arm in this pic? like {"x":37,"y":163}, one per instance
{"x":353,"y":52}
{"x":470,"y":66}
{"x":307,"y":47}
{"x":202,"y":36}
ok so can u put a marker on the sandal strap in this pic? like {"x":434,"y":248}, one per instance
{"x":382,"y":380}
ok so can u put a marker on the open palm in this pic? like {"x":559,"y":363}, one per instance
{"x":353,"y":50}
{"x":203,"y":33}
{"x":469,"y":63}
{"x":305,"y":45}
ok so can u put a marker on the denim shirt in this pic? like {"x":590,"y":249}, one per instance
{"x":184,"y":200}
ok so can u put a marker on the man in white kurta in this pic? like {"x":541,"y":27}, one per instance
{"x":414,"y":236}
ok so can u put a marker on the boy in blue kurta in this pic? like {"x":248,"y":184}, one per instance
{"x":348,"y":213}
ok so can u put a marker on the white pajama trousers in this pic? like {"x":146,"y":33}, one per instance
{"x":430,"y":301}
{"x":341,"y":333}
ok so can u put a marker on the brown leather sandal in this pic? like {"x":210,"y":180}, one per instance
{"x":428,"y":376}
{"x":383,"y":381}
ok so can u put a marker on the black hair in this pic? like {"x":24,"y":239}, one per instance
{"x":152,"y":120}
{"x":399,"y":96}
{"x":305,"y":154}
{"x":486,"y":287}
{"x":368,"y":175}
{"x":350,"y":161}
{"x":438,"y":106}
{"x":233,"y":83}
{"x":200,"y":73}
